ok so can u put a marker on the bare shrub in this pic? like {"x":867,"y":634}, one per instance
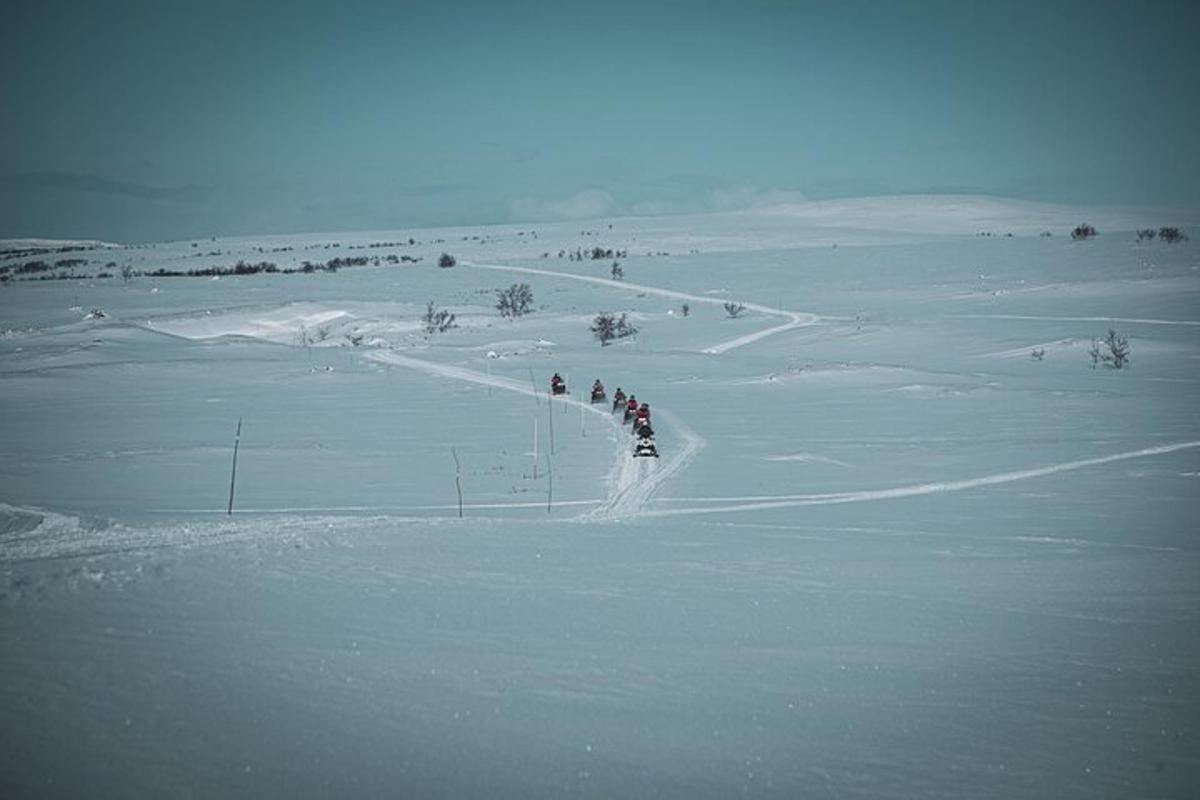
{"x":438,"y":320}
{"x":1083,"y":231}
{"x":515,"y":301}
{"x":1172,"y":235}
{"x":734,"y":310}
{"x":1112,"y":351}
{"x":607,"y":327}
{"x":447,"y":260}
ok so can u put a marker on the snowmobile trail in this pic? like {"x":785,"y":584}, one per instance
{"x":794,"y":319}
{"x":1129,"y":320}
{"x":756,"y":503}
{"x":628,"y":489}
{"x":635,"y":480}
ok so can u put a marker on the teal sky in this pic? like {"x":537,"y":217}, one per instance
{"x":158,"y":120}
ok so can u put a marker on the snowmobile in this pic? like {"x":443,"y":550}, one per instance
{"x":558,"y":385}
{"x":598,"y":395}
{"x":618,"y":400}
{"x":645,"y":443}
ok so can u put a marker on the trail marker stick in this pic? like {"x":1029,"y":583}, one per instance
{"x":237,"y":439}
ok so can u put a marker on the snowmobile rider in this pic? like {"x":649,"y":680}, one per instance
{"x":641,"y":417}
{"x":597,"y":387}
{"x":556,"y":384}
{"x":618,"y":399}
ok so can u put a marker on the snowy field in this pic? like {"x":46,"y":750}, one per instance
{"x":885,"y":552}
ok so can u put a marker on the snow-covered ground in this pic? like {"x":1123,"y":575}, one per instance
{"x":885,"y":552}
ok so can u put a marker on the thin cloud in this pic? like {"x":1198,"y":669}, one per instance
{"x":94,"y":184}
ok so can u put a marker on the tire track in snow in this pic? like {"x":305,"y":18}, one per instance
{"x":756,"y":503}
{"x":795,"y":319}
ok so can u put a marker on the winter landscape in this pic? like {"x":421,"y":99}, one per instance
{"x":657,"y":399}
{"x":902,"y":537}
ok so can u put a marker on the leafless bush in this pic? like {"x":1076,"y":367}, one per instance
{"x":1112,"y":351}
{"x":438,"y":321}
{"x":515,"y":301}
{"x":1146,"y":233}
{"x":734,"y":310}
{"x":1038,"y":353}
{"x":607,"y":327}
{"x":1084,"y":231}
{"x":1172,"y":235}
{"x":447,"y":260}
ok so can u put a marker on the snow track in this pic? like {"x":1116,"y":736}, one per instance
{"x":1129,"y":320}
{"x":627,"y":492}
{"x":795,"y":319}
{"x":42,"y":535}
{"x":757,"y":503}
{"x":634,"y":480}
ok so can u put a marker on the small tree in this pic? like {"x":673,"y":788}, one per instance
{"x":624,"y":328}
{"x":1172,"y":235}
{"x":1038,"y":353}
{"x":127,"y":273}
{"x":617,"y":272}
{"x":1084,"y":231}
{"x":734,"y":309}
{"x":515,"y":301}
{"x":447,"y":260}
{"x":604,"y":328}
{"x":438,"y":321}
{"x":686,"y":309}
{"x":1112,"y":351}
{"x":1145,"y":233}
{"x":607,"y":327}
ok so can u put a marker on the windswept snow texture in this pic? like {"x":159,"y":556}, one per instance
{"x":886,"y":552}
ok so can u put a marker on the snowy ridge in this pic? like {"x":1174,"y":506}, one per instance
{"x":949,"y":214}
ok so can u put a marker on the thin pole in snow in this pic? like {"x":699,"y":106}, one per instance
{"x":550,"y":487}
{"x":237,"y":438}
{"x":535,"y":453}
{"x":582,"y":423}
{"x":457,"y":480}
{"x":488,"y":363}
{"x":550,"y":410}
{"x":564,"y":399}
{"x":533,"y":383}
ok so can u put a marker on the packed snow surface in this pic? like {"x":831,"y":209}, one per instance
{"x":902,"y":540}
